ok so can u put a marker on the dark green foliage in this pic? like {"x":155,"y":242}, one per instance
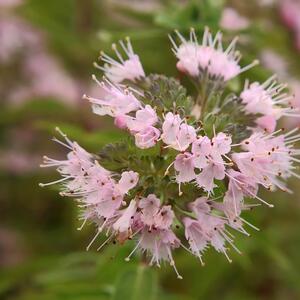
{"x":167,"y":94}
{"x":197,"y":14}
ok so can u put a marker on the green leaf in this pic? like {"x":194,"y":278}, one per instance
{"x":165,"y":92}
{"x":137,"y":284}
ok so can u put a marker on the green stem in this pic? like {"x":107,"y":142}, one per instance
{"x":179,"y":209}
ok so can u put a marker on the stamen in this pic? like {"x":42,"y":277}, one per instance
{"x":93,"y":240}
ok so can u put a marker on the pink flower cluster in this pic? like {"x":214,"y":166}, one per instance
{"x":268,"y":100}
{"x":101,"y":197}
{"x":83,"y":177}
{"x":121,"y":206}
{"x":209,"y":57}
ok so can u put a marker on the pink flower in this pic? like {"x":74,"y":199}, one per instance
{"x":208,"y":157}
{"x":150,"y":207}
{"x":232,"y":20}
{"x":185,"y":136}
{"x":268,"y":158}
{"x":123,"y":224}
{"x":164,"y":218}
{"x":295,"y":89}
{"x":206,"y":230}
{"x":176,"y":134}
{"x":267,"y":123}
{"x":155,"y":236}
{"x":170,"y":128}
{"x":90,"y":183}
{"x":240,"y":185}
{"x":128,"y":181}
{"x":289,"y":12}
{"x":200,"y":206}
{"x":121,"y":121}
{"x":127,"y":69}
{"x":56,"y":82}
{"x":221,"y":143}
{"x":10,"y":3}
{"x":147,"y":138}
{"x":16,"y":36}
{"x":159,"y":244}
{"x":214,"y":170}
{"x":184,"y":165}
{"x":187,"y":55}
{"x":201,"y":148}
{"x":144,"y":118}
{"x":194,"y":234}
{"x":116,"y":101}
{"x":267,"y":99}
{"x":110,"y":201}
{"x":196,"y":60}
{"x":274,"y":62}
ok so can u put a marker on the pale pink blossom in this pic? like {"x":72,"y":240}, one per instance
{"x":187,"y":55}
{"x":16,"y":36}
{"x":267,"y":123}
{"x":155,"y":235}
{"x":290,"y":123}
{"x":185,"y":136}
{"x":170,"y":128}
{"x":289,"y":12}
{"x":144,"y":118}
{"x":184,"y":165}
{"x":221,"y":143}
{"x":176,"y":134}
{"x":214,"y":170}
{"x":241,"y":185}
{"x":93,"y":185}
{"x":117,"y":101}
{"x":274,"y":62}
{"x":208,"y":157}
{"x":268,"y":158}
{"x":56,"y":82}
{"x":121,"y":121}
{"x":206,"y":230}
{"x":129,"y":180}
{"x":232,"y":20}
{"x":194,"y":234}
{"x":267,"y":99}
{"x":208,"y":56}
{"x":150,"y":207}
{"x":10,"y":3}
{"x":200,"y":206}
{"x":201,"y":148}
{"x":127,"y":215}
{"x":129,"y":68}
{"x":159,"y":244}
{"x":147,"y":138}
{"x":164,"y":218}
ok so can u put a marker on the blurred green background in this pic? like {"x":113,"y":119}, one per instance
{"x":46,"y":52}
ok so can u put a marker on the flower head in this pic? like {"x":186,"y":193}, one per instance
{"x":217,"y":158}
{"x":209,"y":56}
{"x":269,"y":100}
{"x":117,"y":101}
{"x":129,"y":68}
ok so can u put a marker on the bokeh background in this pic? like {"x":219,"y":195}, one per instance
{"x":46,"y":54}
